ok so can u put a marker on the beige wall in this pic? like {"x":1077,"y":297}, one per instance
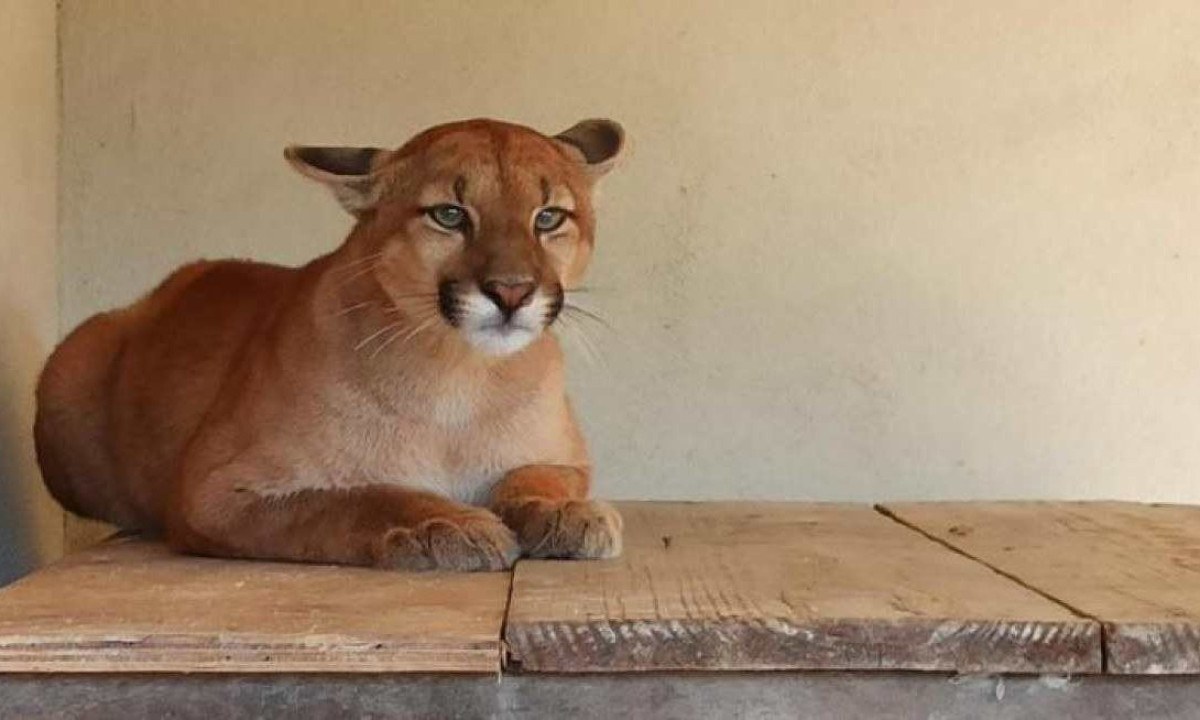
{"x":30,"y":523}
{"x":861,"y":249}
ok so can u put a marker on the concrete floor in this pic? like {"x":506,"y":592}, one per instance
{"x":698,"y":695}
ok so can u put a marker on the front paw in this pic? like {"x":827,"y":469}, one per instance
{"x":577,"y":529}
{"x":472,"y":541}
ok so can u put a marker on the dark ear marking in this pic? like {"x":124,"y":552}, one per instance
{"x":342,"y":161}
{"x":347,"y":171}
{"x":598,"y":142}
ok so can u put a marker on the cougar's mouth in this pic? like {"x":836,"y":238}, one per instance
{"x":490,"y":328}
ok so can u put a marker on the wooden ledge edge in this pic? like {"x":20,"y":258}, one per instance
{"x":63,"y":655}
{"x":1153,"y":648}
{"x":925,"y":644}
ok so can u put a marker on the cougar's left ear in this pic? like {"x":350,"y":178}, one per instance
{"x":349,"y":172}
{"x":598,"y":142}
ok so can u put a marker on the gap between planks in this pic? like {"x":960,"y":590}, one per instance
{"x":1078,"y":612}
{"x":505,"y":650}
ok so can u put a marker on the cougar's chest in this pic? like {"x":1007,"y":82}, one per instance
{"x":459,"y":455}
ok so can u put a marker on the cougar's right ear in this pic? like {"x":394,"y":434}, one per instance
{"x":349,"y":172}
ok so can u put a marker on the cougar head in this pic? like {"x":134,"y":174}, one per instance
{"x":480,"y":224}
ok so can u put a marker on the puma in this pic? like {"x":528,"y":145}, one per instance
{"x":398,"y":402}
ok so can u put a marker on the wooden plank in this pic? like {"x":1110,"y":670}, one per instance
{"x":751,"y":586}
{"x":1134,"y":567}
{"x":132,"y":606}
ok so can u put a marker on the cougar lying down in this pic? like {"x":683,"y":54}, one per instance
{"x":398,"y":402}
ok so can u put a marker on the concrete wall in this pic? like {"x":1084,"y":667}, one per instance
{"x":861,"y":249}
{"x":30,"y":522}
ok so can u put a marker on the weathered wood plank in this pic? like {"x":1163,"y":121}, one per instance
{"x":745,"y":586}
{"x":132,"y":606}
{"x":1134,"y":567}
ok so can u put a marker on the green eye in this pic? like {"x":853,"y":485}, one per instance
{"x":450,"y":217}
{"x":549,"y":219}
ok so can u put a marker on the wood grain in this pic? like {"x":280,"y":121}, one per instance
{"x":753,"y":586}
{"x":1134,"y":567}
{"x":131,"y":606}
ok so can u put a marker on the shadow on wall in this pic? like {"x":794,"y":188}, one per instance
{"x":19,"y":476}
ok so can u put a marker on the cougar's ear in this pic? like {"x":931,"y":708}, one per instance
{"x":347,"y":171}
{"x":597,"y":142}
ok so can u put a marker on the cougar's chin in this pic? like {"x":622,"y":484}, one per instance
{"x":501,"y":341}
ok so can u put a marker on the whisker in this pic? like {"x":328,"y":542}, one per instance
{"x":359,"y":261}
{"x":593,"y":350}
{"x":411,"y":334}
{"x":392,"y":309}
{"x":581,"y":339}
{"x":359,"y":273}
{"x":426,"y":306}
{"x":586,"y":313}
{"x":349,"y":309}
{"x":377,"y":333}
{"x":387,"y":342}
{"x":414,"y":296}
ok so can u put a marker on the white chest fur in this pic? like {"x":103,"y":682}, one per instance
{"x":453,"y":450}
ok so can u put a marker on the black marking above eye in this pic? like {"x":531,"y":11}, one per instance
{"x":447,"y":216}
{"x":549,"y":219}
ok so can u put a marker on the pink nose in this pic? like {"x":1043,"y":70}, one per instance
{"x":509,"y":296}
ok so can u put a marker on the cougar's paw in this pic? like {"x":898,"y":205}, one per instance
{"x":584,"y":529}
{"x":471,"y":541}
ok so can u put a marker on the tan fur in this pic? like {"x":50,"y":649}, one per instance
{"x":330,"y":413}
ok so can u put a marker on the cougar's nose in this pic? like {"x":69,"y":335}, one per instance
{"x":509,"y":295}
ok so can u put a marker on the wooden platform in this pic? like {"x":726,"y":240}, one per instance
{"x":1061,"y":588}
{"x":132,"y":606}
{"x":756,"y":586}
{"x":1134,"y":568}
